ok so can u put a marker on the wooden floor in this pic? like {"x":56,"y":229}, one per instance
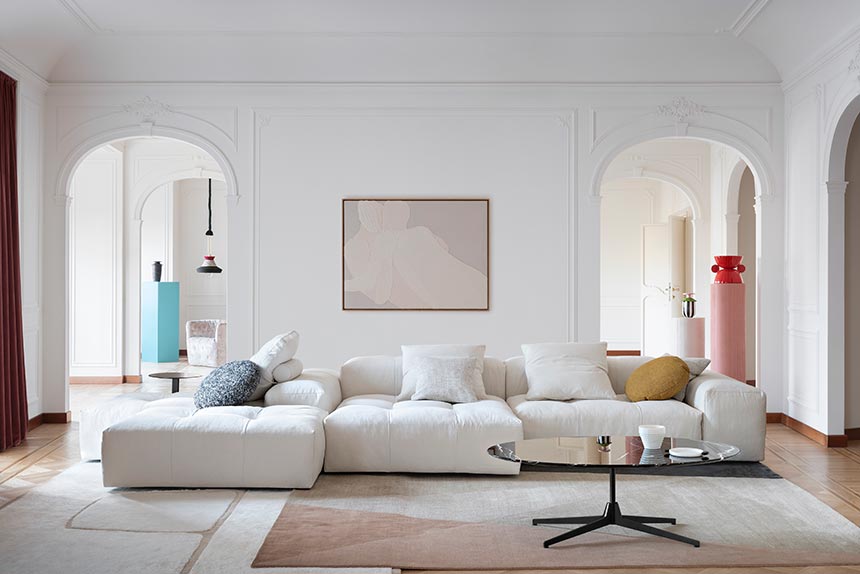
{"x":832,"y":475}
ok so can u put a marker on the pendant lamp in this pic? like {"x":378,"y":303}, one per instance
{"x":209,"y":265}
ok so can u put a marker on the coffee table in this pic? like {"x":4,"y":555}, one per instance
{"x":607,"y":452}
{"x":174,"y":376}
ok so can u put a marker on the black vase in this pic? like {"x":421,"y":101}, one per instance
{"x":156,"y":271}
{"x":688,"y":308}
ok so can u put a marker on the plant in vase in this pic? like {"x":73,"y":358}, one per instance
{"x":688,"y":305}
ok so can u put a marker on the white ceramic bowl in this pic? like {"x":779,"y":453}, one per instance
{"x":652,"y":435}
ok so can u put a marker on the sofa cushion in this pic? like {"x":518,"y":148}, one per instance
{"x":230,"y":384}
{"x":172,"y":444}
{"x":376,"y":433}
{"x":412,"y":355}
{"x":277,"y":350}
{"x":564,"y":371}
{"x":658,"y":380}
{"x":448,"y":379}
{"x":543,"y":419}
{"x":313,"y":388}
{"x":383,"y":375}
{"x":287,"y":371}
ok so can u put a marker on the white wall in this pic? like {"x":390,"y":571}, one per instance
{"x":626,"y":205}
{"x":747,"y":248}
{"x":150,"y":164}
{"x":157,"y":233}
{"x":95,"y":264}
{"x":290,"y":153}
{"x":852,"y":281}
{"x":30,"y":160}
{"x":201,"y":295}
{"x":309,"y":162}
{"x":174,"y":222}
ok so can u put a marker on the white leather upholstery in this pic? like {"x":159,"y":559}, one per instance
{"x":170,"y":443}
{"x":732,"y":412}
{"x":544,"y":419}
{"x":96,"y":419}
{"x":374,"y":433}
{"x":383,"y":375}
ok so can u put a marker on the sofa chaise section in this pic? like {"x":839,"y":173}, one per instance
{"x":277,"y":443}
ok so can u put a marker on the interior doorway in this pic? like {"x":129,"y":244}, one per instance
{"x":136,"y":201}
{"x":667,"y":207}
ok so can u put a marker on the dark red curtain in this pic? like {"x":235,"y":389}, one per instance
{"x":13,"y":384}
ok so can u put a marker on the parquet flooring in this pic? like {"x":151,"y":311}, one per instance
{"x":831,"y":475}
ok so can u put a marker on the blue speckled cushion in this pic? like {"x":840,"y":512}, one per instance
{"x":229,"y":384}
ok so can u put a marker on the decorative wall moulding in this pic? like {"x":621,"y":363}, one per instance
{"x":681,"y":109}
{"x":854,"y":65}
{"x":147,"y":110}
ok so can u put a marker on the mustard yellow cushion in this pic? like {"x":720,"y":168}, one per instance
{"x":657,"y":380}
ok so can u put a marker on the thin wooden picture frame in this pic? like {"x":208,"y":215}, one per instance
{"x":343,"y":278}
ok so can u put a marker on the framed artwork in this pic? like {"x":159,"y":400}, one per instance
{"x":416,"y":254}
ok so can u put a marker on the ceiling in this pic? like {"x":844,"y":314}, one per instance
{"x":420,"y":40}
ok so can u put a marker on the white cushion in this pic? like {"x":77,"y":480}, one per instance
{"x":544,"y":419}
{"x":287,"y":371}
{"x":448,"y":379}
{"x":176,"y":445}
{"x":314,"y":388}
{"x":383,"y":375}
{"x":413,"y":353}
{"x":564,"y":371}
{"x":376,"y":433}
{"x":277,"y":350}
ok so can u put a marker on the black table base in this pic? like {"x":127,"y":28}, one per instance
{"x":612,"y":515}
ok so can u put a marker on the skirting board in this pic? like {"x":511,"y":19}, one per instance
{"x":831,"y":440}
{"x":49,"y":419}
{"x":853,"y":434}
{"x":117,"y":380}
{"x":623,"y":353}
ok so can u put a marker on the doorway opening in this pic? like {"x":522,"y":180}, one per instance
{"x":667,"y":207}
{"x":133,"y":202}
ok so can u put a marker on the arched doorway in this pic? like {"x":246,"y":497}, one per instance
{"x":713,"y":186}
{"x":843,"y":323}
{"x":140,"y":169}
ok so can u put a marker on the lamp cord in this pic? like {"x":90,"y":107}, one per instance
{"x":209,"y":207}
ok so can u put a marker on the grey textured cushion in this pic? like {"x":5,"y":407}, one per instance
{"x":230,"y":384}
{"x":447,"y":379}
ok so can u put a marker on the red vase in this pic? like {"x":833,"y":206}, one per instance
{"x":728,"y":269}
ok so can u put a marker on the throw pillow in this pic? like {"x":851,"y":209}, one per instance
{"x":447,"y":379}
{"x":657,"y":380}
{"x":287,"y":371}
{"x":229,"y":384}
{"x":277,"y":350}
{"x":566,"y":371}
{"x":412,"y":354}
{"x":697,"y":367}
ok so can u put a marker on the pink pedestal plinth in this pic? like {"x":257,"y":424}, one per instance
{"x":728,"y":329}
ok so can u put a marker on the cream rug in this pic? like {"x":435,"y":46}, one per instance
{"x":72,"y":524}
{"x":468,"y":523}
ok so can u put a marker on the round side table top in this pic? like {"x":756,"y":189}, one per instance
{"x":174,"y":375}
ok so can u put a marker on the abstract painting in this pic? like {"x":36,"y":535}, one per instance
{"x":416,"y":254}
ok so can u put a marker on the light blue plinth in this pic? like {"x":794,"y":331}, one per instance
{"x":159,"y":322}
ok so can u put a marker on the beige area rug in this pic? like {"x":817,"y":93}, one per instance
{"x":73,"y":525}
{"x":473,"y":523}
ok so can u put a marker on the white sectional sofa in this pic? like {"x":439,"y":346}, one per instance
{"x":352,"y":422}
